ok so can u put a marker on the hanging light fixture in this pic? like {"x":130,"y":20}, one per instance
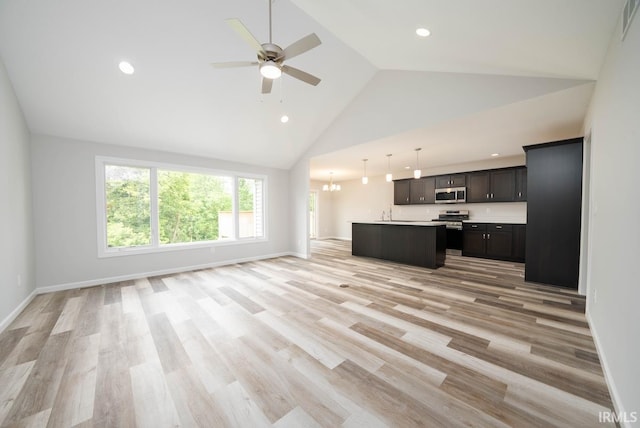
{"x":331,"y":187}
{"x":389,"y":176}
{"x":416,"y":172}
{"x":365,"y":179}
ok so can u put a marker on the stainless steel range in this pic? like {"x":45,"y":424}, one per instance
{"x":453,"y":220}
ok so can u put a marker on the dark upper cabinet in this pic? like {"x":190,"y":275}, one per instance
{"x":401,"y":192}
{"x":478,"y":186}
{"x":498,"y":185}
{"x":422,"y":191}
{"x":503,"y":185}
{"x":554,"y":212}
{"x":521,"y":184}
{"x":453,"y":180}
{"x":495,"y":185}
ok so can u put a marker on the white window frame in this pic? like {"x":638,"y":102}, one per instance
{"x":155,"y":246}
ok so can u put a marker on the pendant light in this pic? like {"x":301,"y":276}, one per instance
{"x":331,"y":187}
{"x":416,"y":172}
{"x":389,"y":176}
{"x":365,"y":179}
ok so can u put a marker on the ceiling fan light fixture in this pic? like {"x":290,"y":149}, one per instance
{"x":270,"y":70}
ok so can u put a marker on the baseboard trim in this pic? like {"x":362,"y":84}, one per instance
{"x":14,"y":314}
{"x":615,"y":396}
{"x":112,"y":279}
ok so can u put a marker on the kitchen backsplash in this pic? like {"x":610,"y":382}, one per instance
{"x":506,"y":212}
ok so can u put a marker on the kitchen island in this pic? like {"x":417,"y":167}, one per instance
{"x":417,"y":243}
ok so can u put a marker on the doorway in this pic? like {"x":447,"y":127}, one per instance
{"x":313,"y":214}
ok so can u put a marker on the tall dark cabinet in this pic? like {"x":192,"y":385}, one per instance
{"x":554,"y":209}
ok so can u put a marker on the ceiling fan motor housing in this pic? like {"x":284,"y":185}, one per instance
{"x":274,"y":52}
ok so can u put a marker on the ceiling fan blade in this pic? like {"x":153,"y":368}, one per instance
{"x":301,"y":46}
{"x":233,"y":64}
{"x":244,"y":32}
{"x":266,"y":85}
{"x":301,"y":75}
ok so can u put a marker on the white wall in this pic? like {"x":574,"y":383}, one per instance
{"x":299,"y":209}
{"x":16,"y":245}
{"x":394,"y":102}
{"x":613,"y":288}
{"x":64,"y":192}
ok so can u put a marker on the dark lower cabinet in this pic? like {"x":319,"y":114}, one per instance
{"x":554,"y":211}
{"x":519,"y":241}
{"x":414,"y":245}
{"x":497,"y":241}
{"x":500,"y":241}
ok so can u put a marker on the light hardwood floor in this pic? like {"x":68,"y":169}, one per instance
{"x":331,"y":341}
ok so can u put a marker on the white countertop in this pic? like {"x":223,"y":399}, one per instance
{"x":404,"y":222}
{"x":498,"y":220}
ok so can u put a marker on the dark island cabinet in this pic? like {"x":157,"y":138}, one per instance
{"x":414,"y":245}
{"x":497,"y":241}
{"x":402,"y":192}
{"x":422,"y":191}
{"x":366,"y":240}
{"x":453,"y":180}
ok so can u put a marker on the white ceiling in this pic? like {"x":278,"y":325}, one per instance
{"x":62,"y":60}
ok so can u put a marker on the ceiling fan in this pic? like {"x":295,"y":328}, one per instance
{"x":271,"y":57}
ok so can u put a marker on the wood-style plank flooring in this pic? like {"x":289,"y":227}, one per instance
{"x":331,"y":341}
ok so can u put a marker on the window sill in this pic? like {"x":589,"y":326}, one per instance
{"x":131,"y":251}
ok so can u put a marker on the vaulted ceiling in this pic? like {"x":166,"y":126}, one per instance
{"x":494,"y":75}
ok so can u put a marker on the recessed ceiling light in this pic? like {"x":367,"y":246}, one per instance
{"x":495,"y":154}
{"x":407,"y":167}
{"x":284,"y":118}
{"x":423,"y":32}
{"x":126,"y":67}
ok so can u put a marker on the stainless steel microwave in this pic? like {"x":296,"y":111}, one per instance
{"x":453,"y":195}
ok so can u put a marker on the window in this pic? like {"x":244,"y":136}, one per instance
{"x":189,"y":205}
{"x":128,"y":207}
{"x":250,"y":201}
{"x":145,"y":207}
